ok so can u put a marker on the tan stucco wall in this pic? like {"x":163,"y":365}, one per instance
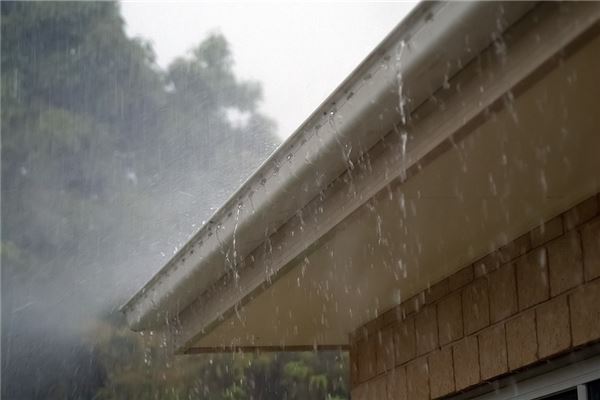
{"x":536,"y":298}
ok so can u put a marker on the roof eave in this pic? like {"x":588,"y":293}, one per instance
{"x":426,"y":49}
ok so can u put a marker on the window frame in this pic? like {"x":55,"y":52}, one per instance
{"x":573,"y":376}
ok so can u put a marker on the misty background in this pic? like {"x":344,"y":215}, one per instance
{"x":299,"y":51}
{"x":110,"y":162}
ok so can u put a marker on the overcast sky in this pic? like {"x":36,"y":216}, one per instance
{"x":299,"y":51}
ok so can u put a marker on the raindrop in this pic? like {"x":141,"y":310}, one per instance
{"x":543,"y":181}
{"x":401,"y":96}
{"x":446,"y":84}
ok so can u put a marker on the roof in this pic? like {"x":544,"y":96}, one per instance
{"x":340,"y":158}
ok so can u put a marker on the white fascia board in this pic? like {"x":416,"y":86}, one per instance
{"x":434,"y":42}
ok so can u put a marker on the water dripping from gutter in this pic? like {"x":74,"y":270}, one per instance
{"x":401,"y":98}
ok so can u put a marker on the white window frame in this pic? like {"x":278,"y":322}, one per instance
{"x":572,"y":376}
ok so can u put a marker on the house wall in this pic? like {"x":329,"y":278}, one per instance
{"x":531,"y":300}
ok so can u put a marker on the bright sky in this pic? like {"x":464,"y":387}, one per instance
{"x":300,"y":52}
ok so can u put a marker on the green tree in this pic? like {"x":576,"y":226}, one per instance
{"x":141,"y":367}
{"x":98,"y":145}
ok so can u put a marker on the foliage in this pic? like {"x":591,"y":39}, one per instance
{"x":141,"y":367}
{"x":106,"y":158}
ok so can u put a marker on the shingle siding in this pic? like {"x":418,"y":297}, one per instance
{"x":533,"y":299}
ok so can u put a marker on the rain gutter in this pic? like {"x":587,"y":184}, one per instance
{"x":426,"y":49}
